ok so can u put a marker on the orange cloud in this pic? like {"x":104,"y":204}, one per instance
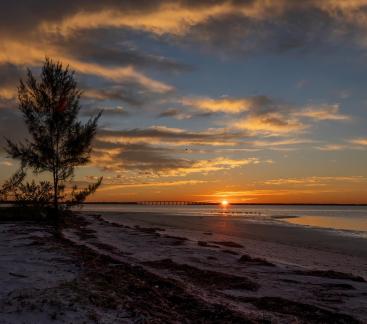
{"x":116,"y":186}
{"x":169,"y":18}
{"x":175,"y":18}
{"x":171,"y":136}
{"x":359,"y":141}
{"x":33,"y":54}
{"x":317,"y":181}
{"x":323,"y":112}
{"x":271,"y":124}
{"x":8,"y":93}
{"x":227,"y":105}
{"x":252,"y":194}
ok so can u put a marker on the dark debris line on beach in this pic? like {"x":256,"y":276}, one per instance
{"x":144,"y":294}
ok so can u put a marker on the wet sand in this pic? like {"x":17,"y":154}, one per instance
{"x":289,"y":244}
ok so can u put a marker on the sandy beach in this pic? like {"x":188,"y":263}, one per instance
{"x":122,"y":267}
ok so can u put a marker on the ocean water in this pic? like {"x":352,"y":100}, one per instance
{"x":350,"y":220}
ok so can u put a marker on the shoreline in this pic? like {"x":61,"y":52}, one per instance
{"x":239,"y":228}
{"x":350,"y":222}
{"x":235,"y":204}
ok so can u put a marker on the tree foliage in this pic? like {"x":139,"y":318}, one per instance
{"x":9,"y":186}
{"x":58,"y":141}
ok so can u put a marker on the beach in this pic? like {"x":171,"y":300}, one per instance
{"x":120,"y":266}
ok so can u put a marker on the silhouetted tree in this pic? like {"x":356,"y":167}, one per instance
{"x":10,"y":185}
{"x":58,"y":140}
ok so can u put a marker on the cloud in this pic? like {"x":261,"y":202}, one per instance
{"x":282,"y":26}
{"x":226,"y":105}
{"x":276,"y":25}
{"x":111,"y":112}
{"x":7,"y":163}
{"x":137,"y":156}
{"x":127,"y":73}
{"x":352,"y":144}
{"x":266,"y":115}
{"x":10,"y":75}
{"x":316,"y":180}
{"x":131,"y":93}
{"x":331,"y":147}
{"x":11,"y":126}
{"x":114,"y":186}
{"x":323,"y":112}
{"x":270,"y":194}
{"x":163,"y":17}
{"x":250,"y":26}
{"x":272,"y":123}
{"x":359,"y":141}
{"x":173,"y":136}
{"x":113,"y":48}
{"x":26,"y":52}
{"x":157,"y":161}
{"x":174,"y":113}
{"x":279,"y":144}
{"x":19,"y":53}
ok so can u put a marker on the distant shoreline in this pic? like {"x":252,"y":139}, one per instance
{"x":198,"y":203}
{"x":235,"y":204}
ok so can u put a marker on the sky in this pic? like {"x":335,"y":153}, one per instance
{"x":251,"y":101}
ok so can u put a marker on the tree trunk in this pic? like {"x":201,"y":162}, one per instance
{"x":55,"y":197}
{"x":56,"y":207}
{"x":56,"y":192}
{"x":56,"y":175}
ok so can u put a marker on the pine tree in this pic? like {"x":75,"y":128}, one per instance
{"x":58,"y":142}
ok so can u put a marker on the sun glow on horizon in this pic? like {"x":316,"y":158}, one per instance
{"x":224,"y":203}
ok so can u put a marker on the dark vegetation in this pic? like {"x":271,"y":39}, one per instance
{"x":57,"y":143}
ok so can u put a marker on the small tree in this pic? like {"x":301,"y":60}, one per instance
{"x":58,"y":141}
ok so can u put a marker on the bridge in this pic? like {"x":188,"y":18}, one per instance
{"x":172,"y":203}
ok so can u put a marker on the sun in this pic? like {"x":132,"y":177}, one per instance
{"x":224,"y":203}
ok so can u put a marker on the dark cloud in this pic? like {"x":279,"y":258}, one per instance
{"x":170,"y":113}
{"x":23,"y":16}
{"x":130,"y":93}
{"x":107,"y":112}
{"x":10,"y":75}
{"x":204,"y":115}
{"x":179,"y":114}
{"x":164,"y":134}
{"x":113,"y":47}
{"x":277,"y":26}
{"x":141,"y":157}
{"x":11,"y":126}
{"x":296,"y":28}
{"x":145,"y":157}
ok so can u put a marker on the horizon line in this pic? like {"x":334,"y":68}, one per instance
{"x":140,"y":202}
